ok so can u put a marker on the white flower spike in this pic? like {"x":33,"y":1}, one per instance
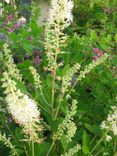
{"x":7,"y":1}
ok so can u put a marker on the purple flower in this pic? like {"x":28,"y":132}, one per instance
{"x":10,"y":17}
{"x":95,"y":58}
{"x":10,"y":29}
{"x":37,"y":52}
{"x":16,"y":26}
{"x":96,"y":50}
{"x":2,"y":25}
{"x":30,"y":38}
{"x":21,"y":20}
{"x":37,"y":60}
{"x":100,"y":54}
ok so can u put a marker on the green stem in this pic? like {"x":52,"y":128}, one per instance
{"x":58,"y":108}
{"x":53,"y":92}
{"x":44,"y":97}
{"x":98,"y":152}
{"x":15,"y":152}
{"x":33,"y":152}
{"x":26,"y":151}
{"x":46,"y":126}
{"x":59,"y":104}
{"x":54,"y":71}
{"x":65,"y":147}
{"x":43,"y":108}
{"x":93,"y":140}
{"x":11,"y":133}
{"x":115,"y":145}
{"x":97,"y":143}
{"x":50,"y":148}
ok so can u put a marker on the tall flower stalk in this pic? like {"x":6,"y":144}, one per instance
{"x":60,"y":17}
{"x":22,"y":108}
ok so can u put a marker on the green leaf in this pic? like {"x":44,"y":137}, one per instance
{"x":28,"y":47}
{"x":90,"y":128}
{"x":93,"y":36}
{"x":18,"y":133}
{"x":51,"y":59}
{"x":66,"y":68}
{"x":41,"y":149}
{"x":52,"y":124}
{"x":85,"y":149}
{"x":92,"y":4}
{"x":63,"y":141}
{"x":103,"y":43}
{"x":24,"y":65}
{"x":13,"y":36}
{"x":115,"y":37}
{"x":21,"y":86}
{"x":1,"y":55}
{"x":109,"y":38}
{"x":85,"y":143}
{"x":93,"y":129}
{"x":115,"y":61}
{"x":49,"y":81}
{"x":36,"y":30}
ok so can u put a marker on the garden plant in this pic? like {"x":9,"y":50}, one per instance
{"x":58,"y":81}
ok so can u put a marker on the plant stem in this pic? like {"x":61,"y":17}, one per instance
{"x":98,"y":152}
{"x":65,"y":147}
{"x":59,"y":104}
{"x":115,"y":145}
{"x":93,"y":140}
{"x":50,"y":148}
{"x":53,"y":92}
{"x":47,"y":126}
{"x":54,"y":71}
{"x":26,"y":151}
{"x":44,"y":97}
{"x":97,"y":144}
{"x":33,"y":152}
{"x":43,"y":108}
{"x":58,"y":108}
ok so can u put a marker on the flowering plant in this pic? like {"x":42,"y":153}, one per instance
{"x":42,"y":100}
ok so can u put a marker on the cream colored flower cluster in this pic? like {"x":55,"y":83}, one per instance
{"x":1,"y":9}
{"x":55,"y":40}
{"x":66,"y":80}
{"x":12,"y":68}
{"x":68,"y":126}
{"x":72,"y":151}
{"x":60,"y":17}
{"x":110,"y":124}
{"x":22,"y":108}
{"x":7,"y":1}
{"x":61,"y":11}
{"x":91,"y":66}
{"x":36,"y":76}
